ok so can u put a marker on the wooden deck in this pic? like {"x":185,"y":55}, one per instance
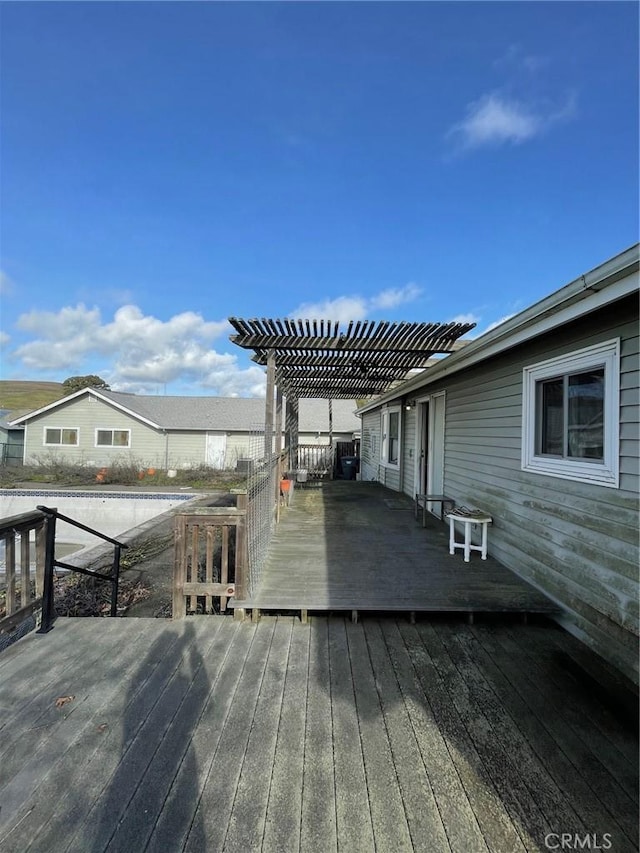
{"x":211,"y":735}
{"x":347,"y":545}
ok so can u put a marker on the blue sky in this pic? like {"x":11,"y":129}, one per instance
{"x":168,"y":165}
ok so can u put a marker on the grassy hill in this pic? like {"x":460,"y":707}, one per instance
{"x":18,"y":396}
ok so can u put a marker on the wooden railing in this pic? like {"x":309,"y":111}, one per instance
{"x":210,"y":558}
{"x":317,"y":460}
{"x":23,"y":593}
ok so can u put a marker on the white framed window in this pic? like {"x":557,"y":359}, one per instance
{"x":390,"y":445}
{"x":113,"y":438}
{"x":570,"y":415}
{"x":60,"y":437}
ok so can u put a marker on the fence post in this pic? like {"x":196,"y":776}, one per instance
{"x":48,"y":613}
{"x":241,"y":556}
{"x":179,"y":608}
{"x":41,"y":556}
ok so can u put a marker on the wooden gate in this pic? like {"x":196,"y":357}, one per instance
{"x":210,"y":558}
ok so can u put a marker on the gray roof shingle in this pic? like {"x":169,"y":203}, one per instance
{"x":234,"y":414}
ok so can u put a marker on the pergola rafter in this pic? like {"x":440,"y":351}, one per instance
{"x":322,"y":359}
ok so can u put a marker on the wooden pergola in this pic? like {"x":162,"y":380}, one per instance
{"x":324,"y":359}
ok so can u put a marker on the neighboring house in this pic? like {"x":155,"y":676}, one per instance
{"x":97,"y":427}
{"x":11,"y":440}
{"x":537,"y":422}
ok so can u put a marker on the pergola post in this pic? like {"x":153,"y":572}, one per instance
{"x":268,"y":415}
{"x":291,"y":429}
{"x":278,"y":426}
{"x":278,"y":448}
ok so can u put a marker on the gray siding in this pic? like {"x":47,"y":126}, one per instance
{"x":576,"y":541}
{"x":185,"y":449}
{"x":147,"y":444}
{"x":371,"y":467}
{"x":408,"y":450}
{"x":370,"y":446}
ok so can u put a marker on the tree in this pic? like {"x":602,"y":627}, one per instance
{"x":76,"y":383}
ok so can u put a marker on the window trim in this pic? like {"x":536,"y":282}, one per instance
{"x":60,"y":443}
{"x":113,"y":446}
{"x":605,"y":473}
{"x":384,"y":431}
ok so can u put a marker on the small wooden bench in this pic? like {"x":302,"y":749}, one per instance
{"x":422,"y":500}
{"x":467,"y":517}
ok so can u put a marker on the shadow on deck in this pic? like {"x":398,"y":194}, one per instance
{"x":211,"y":735}
{"x":348,"y":545}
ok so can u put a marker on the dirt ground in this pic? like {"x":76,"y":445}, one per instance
{"x":153,"y":566}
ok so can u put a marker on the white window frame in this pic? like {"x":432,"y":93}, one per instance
{"x":605,"y":472}
{"x":60,"y":443}
{"x":112,"y":445}
{"x":384,"y":443}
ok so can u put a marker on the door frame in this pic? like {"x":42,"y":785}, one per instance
{"x":431,"y":441}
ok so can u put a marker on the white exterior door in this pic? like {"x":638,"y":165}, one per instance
{"x":429,"y":470}
{"x":216,"y":449}
{"x":435,"y":452}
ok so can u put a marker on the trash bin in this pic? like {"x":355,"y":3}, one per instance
{"x":350,"y":465}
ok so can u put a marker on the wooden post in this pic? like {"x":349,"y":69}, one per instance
{"x":41,"y":547}
{"x":241,"y":549}
{"x":278,"y":449}
{"x":291,"y":429}
{"x":179,"y":609}
{"x":268,"y":412}
{"x":278,"y":426}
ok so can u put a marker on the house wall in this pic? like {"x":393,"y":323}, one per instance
{"x":578,"y":542}
{"x":371,"y":466}
{"x":11,"y":446}
{"x":147,"y":444}
{"x":370,"y":446}
{"x":149,"y":447}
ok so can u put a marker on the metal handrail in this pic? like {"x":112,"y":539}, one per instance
{"x":51,"y":563}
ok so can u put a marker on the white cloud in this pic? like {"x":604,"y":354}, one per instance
{"x":497,"y":119}
{"x":392,"y":297}
{"x":345,"y":308}
{"x":6,"y":284}
{"x":4,"y":339}
{"x":465,"y":318}
{"x":515,"y":58}
{"x":139,"y":352}
{"x":342,"y":309}
{"x":497,"y":323}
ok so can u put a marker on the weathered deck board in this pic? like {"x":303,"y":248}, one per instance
{"x":282,"y":823}
{"x":573,"y":765}
{"x":341,"y":547}
{"x":210,"y":735}
{"x":318,"y":819}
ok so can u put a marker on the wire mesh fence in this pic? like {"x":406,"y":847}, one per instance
{"x":263,"y":475}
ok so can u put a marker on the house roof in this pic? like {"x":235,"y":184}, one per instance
{"x":6,"y":419}
{"x":614,"y":279}
{"x":232,"y":414}
{"x":321,"y":358}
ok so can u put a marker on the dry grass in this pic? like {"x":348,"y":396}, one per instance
{"x":18,"y":396}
